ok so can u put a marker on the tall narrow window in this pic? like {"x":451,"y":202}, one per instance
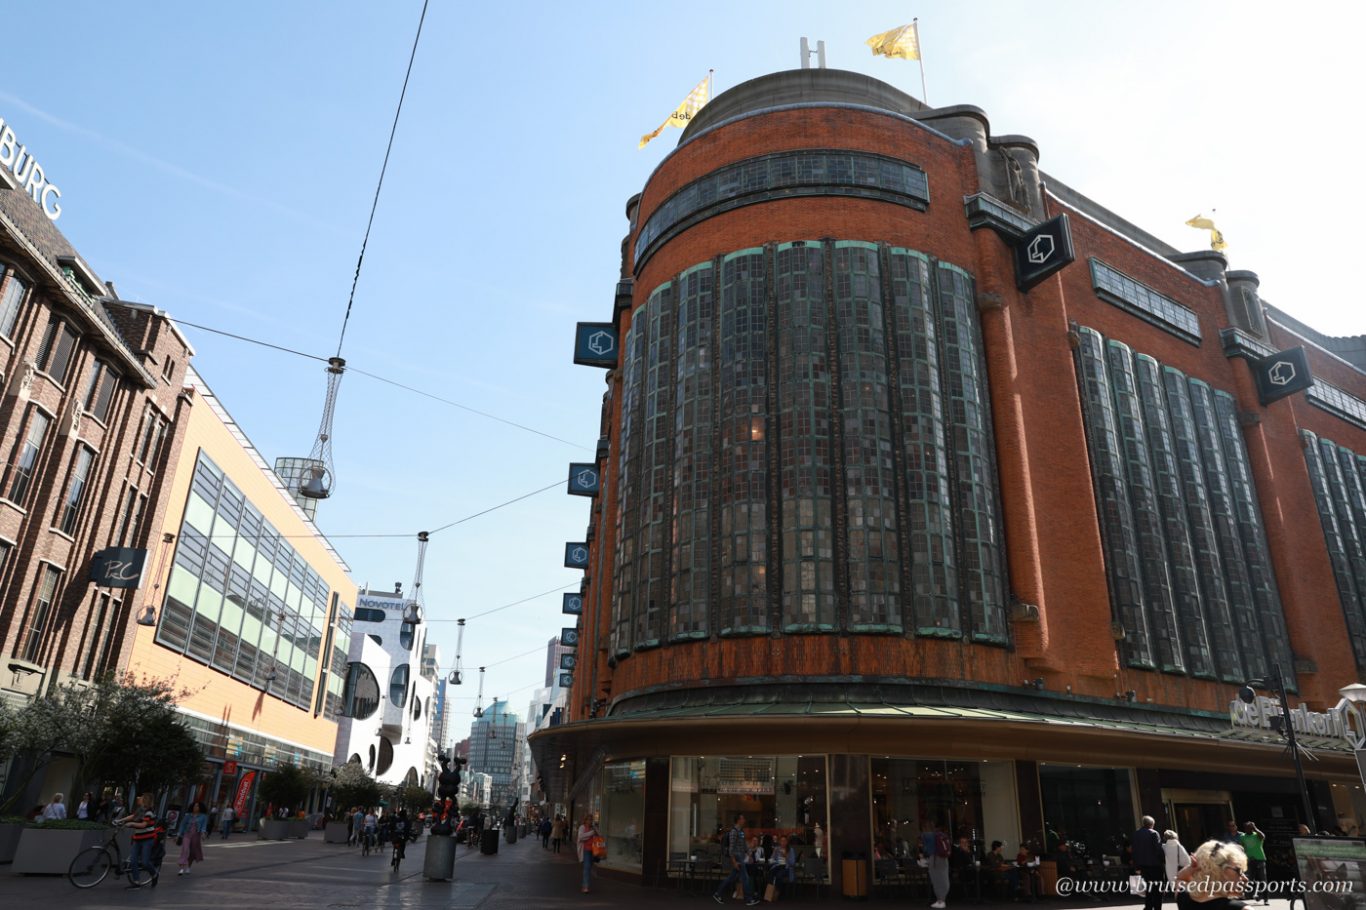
{"x":26,"y":459}
{"x":58,"y":351}
{"x":80,"y":473}
{"x":42,"y":611}
{"x":99,"y":394}
{"x":10,"y":300}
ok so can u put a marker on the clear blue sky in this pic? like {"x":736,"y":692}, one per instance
{"x":218,"y":161}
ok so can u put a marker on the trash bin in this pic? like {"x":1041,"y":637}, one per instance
{"x":1048,"y":878}
{"x":439,"y":862}
{"x":855,"y":876}
{"x":488,"y":841}
{"x":512,"y":834}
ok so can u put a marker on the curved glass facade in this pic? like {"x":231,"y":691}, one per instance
{"x":806,"y":426}
{"x":1338,"y":478}
{"x":1186,"y":554}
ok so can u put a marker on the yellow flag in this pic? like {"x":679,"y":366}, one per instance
{"x":696,"y":100}
{"x":1216,"y":237}
{"x":903,"y":42}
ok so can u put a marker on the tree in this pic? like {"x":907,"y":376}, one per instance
{"x":118,"y":729}
{"x":286,"y":786}
{"x":414,"y":798}
{"x":352,"y":787}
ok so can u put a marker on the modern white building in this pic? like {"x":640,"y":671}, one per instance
{"x":388,"y":701}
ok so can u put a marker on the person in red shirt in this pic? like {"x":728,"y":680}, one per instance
{"x":143,"y":822}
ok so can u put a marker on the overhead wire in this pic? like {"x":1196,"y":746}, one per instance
{"x":386,"y":380}
{"x":513,"y":604}
{"x":393,"y":130}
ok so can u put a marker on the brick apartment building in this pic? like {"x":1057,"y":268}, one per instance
{"x":885,"y":540}
{"x":89,"y":421}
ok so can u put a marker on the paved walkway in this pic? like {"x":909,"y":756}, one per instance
{"x":284,"y":875}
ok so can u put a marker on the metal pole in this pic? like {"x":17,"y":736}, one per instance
{"x":1279,"y":681}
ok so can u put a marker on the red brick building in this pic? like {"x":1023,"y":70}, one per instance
{"x":90,"y":400}
{"x":884,"y":541}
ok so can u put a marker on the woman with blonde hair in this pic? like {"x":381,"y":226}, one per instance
{"x":1214,"y":880}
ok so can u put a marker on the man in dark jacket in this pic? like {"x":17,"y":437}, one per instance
{"x":1151,"y":863}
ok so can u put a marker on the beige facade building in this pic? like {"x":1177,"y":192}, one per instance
{"x":253,"y":611}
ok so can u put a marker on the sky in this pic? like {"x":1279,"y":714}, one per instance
{"x":219,"y":162}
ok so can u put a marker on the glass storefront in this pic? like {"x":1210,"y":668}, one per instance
{"x":974,"y":799}
{"x":1091,"y":808}
{"x":779,"y":795}
{"x":621,"y":813}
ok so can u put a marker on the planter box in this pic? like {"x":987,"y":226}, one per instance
{"x":273,"y":829}
{"x":334,"y":833}
{"x":50,"y":852}
{"x":9,"y":840}
{"x":297,"y":827}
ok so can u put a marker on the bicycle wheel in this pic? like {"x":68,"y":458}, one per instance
{"x":398,"y":857}
{"x":90,"y":867}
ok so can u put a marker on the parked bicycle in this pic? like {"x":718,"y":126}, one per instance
{"x":93,"y":864}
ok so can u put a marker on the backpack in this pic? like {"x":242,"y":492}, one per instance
{"x":941,"y":844}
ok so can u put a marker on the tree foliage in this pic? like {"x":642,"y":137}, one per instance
{"x":287,"y":786}
{"x":414,"y":798}
{"x":353,"y":787}
{"x":119,"y":729}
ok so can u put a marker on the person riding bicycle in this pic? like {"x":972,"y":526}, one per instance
{"x":400,"y":832}
{"x":369,"y":827}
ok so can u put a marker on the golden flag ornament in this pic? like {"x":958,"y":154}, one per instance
{"x":696,"y":100}
{"x":902,"y":42}
{"x":1216,"y":237}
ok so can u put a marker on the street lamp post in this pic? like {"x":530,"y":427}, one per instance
{"x":1276,"y":682}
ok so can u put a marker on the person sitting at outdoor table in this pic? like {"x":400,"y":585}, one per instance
{"x":782,"y":865}
{"x":754,"y":862}
{"x":1026,"y":875}
{"x":995,"y":866}
{"x":962,"y":864}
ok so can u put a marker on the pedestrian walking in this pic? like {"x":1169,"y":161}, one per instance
{"x":545,"y":833}
{"x":939,"y":866}
{"x":735,"y":849}
{"x":143,"y":822}
{"x":557,"y":833}
{"x":194,"y":824}
{"x":1253,"y":842}
{"x":1176,"y":856}
{"x":587,"y":831}
{"x":87,"y":808}
{"x":1150,"y":862}
{"x":54,"y":810}
{"x":228,"y":815}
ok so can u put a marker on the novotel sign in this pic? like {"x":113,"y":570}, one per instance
{"x":1343,"y":722}
{"x":26,"y":174}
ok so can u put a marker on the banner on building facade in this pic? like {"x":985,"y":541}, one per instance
{"x":576,"y":555}
{"x":583,"y":479}
{"x":573,"y":604}
{"x":595,"y":344}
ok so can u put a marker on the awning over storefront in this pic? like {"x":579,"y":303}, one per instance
{"x":984,"y":722}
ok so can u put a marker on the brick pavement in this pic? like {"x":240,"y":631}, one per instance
{"x":284,"y":875}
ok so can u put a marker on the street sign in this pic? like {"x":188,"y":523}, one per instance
{"x":566,"y":681}
{"x":230,"y":768}
{"x":583,"y":479}
{"x":117,"y":567}
{"x":1283,"y":373}
{"x":567,"y":661}
{"x":1042,"y":251}
{"x":595,"y":344}
{"x":569,"y":637}
{"x":573,"y":604}
{"x":576,"y":556}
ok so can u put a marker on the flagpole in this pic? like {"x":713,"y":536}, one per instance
{"x":710,"y":76}
{"x":920,"y":54}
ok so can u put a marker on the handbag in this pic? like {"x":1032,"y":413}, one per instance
{"x":770,"y":892}
{"x":597,"y":844}
{"x":1137,"y":885}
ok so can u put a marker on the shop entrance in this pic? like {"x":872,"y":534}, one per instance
{"x":1198,"y":815}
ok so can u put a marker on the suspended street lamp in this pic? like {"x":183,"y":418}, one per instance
{"x":319,"y":471}
{"x":412,"y":616}
{"x":479,"y":700}
{"x":457,"y":675}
